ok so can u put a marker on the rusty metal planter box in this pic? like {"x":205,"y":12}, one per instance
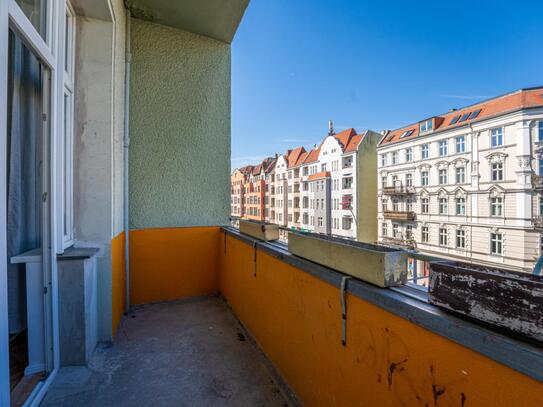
{"x":509,"y":299}
{"x":379,"y":265}
{"x":259,"y":230}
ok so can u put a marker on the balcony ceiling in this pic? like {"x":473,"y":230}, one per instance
{"x":218,"y":19}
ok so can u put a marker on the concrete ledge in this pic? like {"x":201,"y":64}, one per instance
{"x":78,"y":253}
{"x":494,"y":343}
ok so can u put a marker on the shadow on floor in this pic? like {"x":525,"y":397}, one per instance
{"x":183,"y":354}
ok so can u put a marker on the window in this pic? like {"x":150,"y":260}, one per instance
{"x":497,"y":171}
{"x":425,"y":235}
{"x":323,"y":167}
{"x":424,"y":205}
{"x":443,"y":177}
{"x":384,"y":205}
{"x":68,"y":128}
{"x":384,"y":229}
{"x":496,"y":137}
{"x":305,"y":171}
{"x":460,"y":206}
{"x":319,"y":219}
{"x":409,"y":232}
{"x":395,"y":230}
{"x":424,"y":178}
{"x":409,"y":205}
{"x":407,"y":133}
{"x":409,"y":154}
{"x":460,"y":144}
{"x":443,"y":148}
{"x":394,"y":157}
{"x":460,"y":175}
{"x":424,"y":152}
{"x":395,"y":205}
{"x":409,"y":180}
{"x":347,"y":223}
{"x":496,"y":244}
{"x":443,"y":206}
{"x":460,"y":239}
{"x":496,"y":206}
{"x":384,"y":181}
{"x":442,"y":236}
{"x":383,"y":160}
{"x":540,"y":130}
{"x":425,"y":126}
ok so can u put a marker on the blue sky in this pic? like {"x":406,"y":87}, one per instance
{"x":371,"y":64}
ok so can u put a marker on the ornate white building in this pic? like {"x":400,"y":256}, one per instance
{"x":465,"y":184}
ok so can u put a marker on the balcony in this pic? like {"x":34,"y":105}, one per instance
{"x":408,"y":243}
{"x":399,"y":190}
{"x":538,"y":222}
{"x":287,"y":347}
{"x":405,"y":216}
{"x":537,"y":182}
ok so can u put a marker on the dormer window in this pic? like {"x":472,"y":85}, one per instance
{"x":426,"y":126}
{"x":407,"y":133}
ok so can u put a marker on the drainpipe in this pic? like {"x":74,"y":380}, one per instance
{"x":126,"y":144}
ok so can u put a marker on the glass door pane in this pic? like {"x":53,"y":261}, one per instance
{"x":36,"y":11}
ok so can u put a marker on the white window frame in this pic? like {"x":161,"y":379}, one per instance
{"x":424,"y":205}
{"x":443,"y":148}
{"x":496,"y":137}
{"x":460,"y":141}
{"x":424,"y":177}
{"x":460,"y":237}
{"x":425,"y":234}
{"x":497,"y":240}
{"x":443,"y":176}
{"x":498,"y":171}
{"x":443,"y":206}
{"x":424,"y":152}
{"x":460,"y":206}
{"x":496,"y":205}
{"x":50,"y":52}
{"x":409,"y":154}
{"x":460,"y":171}
{"x":426,"y":126}
{"x":443,"y":237}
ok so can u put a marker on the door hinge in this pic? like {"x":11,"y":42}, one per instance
{"x":45,"y":290}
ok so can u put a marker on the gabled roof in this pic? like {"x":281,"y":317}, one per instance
{"x":354,"y":142}
{"x":301,"y":159}
{"x":344,"y":137}
{"x":312,"y":156}
{"x":269,"y":164}
{"x":246,"y":170}
{"x":257,"y":169}
{"x":520,"y":99}
{"x":293,"y":156}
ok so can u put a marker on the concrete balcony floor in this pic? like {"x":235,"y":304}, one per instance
{"x":190,"y":353}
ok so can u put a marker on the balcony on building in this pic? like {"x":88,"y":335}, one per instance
{"x":405,"y":216}
{"x":398,"y":189}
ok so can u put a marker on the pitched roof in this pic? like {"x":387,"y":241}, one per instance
{"x":520,"y":99}
{"x":293,"y":156}
{"x":246,"y":170}
{"x":257,"y":168}
{"x":344,"y":137}
{"x":269,"y":164}
{"x":354,"y":142}
{"x":312,"y":156}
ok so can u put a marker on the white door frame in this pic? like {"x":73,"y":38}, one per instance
{"x":51,"y":54}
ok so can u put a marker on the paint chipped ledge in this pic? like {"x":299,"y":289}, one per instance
{"x":521,"y":355}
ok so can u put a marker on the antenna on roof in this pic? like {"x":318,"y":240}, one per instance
{"x":331,"y":131}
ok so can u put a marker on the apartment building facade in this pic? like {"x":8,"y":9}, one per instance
{"x":464,"y":185}
{"x":317,"y":190}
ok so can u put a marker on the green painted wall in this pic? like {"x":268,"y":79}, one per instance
{"x":179,"y":165}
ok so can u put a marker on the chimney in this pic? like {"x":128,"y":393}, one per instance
{"x":331,"y":131}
